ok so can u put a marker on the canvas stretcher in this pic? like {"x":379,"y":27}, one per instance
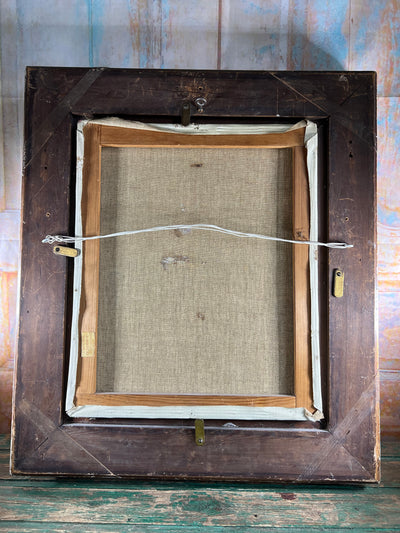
{"x":241,"y":339}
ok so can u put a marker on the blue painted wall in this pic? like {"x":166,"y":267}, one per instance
{"x":237,"y":34}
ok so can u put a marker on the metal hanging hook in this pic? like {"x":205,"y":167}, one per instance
{"x":200,"y":103}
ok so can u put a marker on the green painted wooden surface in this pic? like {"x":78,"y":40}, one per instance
{"x":72,"y":505}
{"x":107,"y":528}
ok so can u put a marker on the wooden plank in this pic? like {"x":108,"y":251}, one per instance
{"x":390,"y":402}
{"x":4,"y":441}
{"x":389,"y":331}
{"x":189,"y":34}
{"x":91,"y":192}
{"x":313,"y":47}
{"x":388,"y":262}
{"x":304,"y":445}
{"x":150,"y":34}
{"x":391,"y":473}
{"x":203,"y":506}
{"x":374,"y":31}
{"x":390,"y":447}
{"x":4,"y":456}
{"x":27,"y":38}
{"x":254,"y":34}
{"x":390,"y":476}
{"x":260,"y":35}
{"x":390,"y":462}
{"x":148,"y":93}
{"x":388,"y":269}
{"x":388,"y":120}
{"x":2,"y":177}
{"x":46,"y":193}
{"x":301,"y":283}
{"x":6,"y":384}
{"x":10,"y":220}
{"x":114,"y":136}
{"x":22,"y":527}
{"x":8,"y":301}
{"x":12,"y":91}
{"x":175,"y":399}
{"x":63,"y":42}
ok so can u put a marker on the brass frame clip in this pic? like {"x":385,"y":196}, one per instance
{"x":199,"y":433}
{"x":65,"y":251}
{"x":338,"y":283}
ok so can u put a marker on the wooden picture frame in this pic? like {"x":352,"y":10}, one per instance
{"x":342,"y":447}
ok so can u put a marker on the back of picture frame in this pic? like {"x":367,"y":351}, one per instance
{"x":342,"y":446}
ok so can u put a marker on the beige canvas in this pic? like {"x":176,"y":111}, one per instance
{"x":201,"y":312}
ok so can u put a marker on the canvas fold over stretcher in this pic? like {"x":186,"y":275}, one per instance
{"x":206,"y":322}
{"x":204,"y":280}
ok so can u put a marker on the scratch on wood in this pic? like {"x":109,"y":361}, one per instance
{"x":46,"y":426}
{"x":41,"y":444}
{"x":349,"y":424}
{"x":297,"y":92}
{"x":88,"y":453}
{"x":48,"y":127}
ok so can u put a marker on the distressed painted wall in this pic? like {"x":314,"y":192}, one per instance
{"x":237,"y":34}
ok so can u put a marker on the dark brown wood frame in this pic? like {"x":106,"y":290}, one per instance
{"x":97,"y":136}
{"x":344,"y":447}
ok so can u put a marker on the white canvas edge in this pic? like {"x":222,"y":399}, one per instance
{"x":74,"y":350}
{"x":202,"y":129}
{"x":311,"y":143}
{"x":208,"y":412}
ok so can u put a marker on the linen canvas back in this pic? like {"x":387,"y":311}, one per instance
{"x":195,"y":312}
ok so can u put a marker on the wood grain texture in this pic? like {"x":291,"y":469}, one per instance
{"x":148,"y":34}
{"x":389,"y":331}
{"x":91,"y":176}
{"x":388,"y":162}
{"x":374,"y":43}
{"x":34,"y":33}
{"x":11,"y":109}
{"x":208,"y":507}
{"x":10,"y":158}
{"x":44,"y":442}
{"x":390,"y":406}
{"x":97,"y":136}
{"x":311,"y":45}
{"x":283,"y":34}
{"x":83,"y":398}
{"x":46,"y":191}
{"x":74,"y":505}
{"x":221,"y":89}
{"x":6,"y":383}
{"x":357,"y":220}
{"x":8,"y":306}
{"x":113,"y":136}
{"x":301,"y":282}
{"x":254,"y":35}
